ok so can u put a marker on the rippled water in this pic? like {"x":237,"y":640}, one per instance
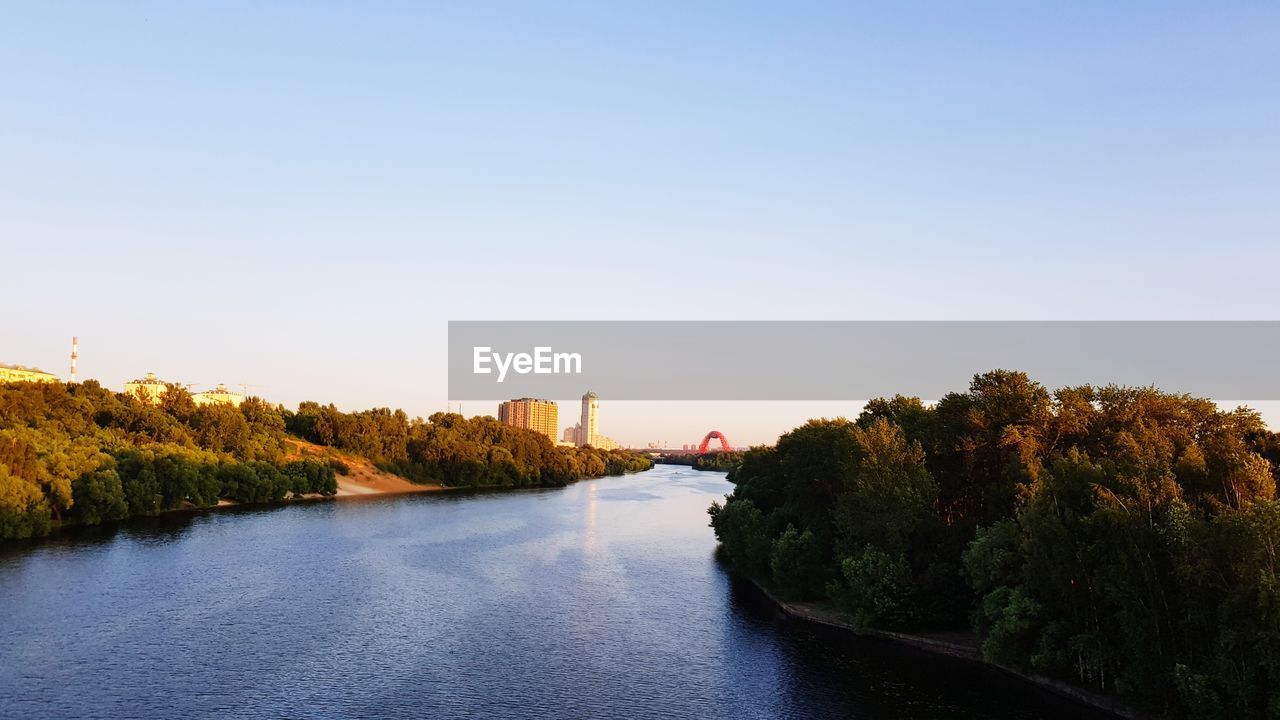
{"x":601,"y":600}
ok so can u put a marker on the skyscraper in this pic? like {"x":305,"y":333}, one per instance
{"x":531,"y":414}
{"x":589,"y":428}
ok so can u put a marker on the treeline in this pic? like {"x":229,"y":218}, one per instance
{"x":81,"y":454}
{"x":719,"y":461}
{"x":1125,"y":539}
{"x":457,"y":451}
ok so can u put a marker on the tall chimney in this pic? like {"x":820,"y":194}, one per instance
{"x":75,"y":344}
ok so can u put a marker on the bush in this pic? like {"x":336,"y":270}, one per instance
{"x":253,"y":482}
{"x":797,"y":564}
{"x":311,"y":476}
{"x":876,"y":589}
{"x":99,"y":497}
{"x":24,"y":512}
{"x":739,"y":525}
{"x":1008,"y":621}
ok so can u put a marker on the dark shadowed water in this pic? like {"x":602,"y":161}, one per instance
{"x":601,"y":600}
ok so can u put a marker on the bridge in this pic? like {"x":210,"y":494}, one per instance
{"x":715,"y":435}
{"x":704,"y":447}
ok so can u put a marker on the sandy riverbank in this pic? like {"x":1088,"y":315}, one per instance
{"x":360,"y":487}
{"x":359,"y":483}
{"x":362,"y":478}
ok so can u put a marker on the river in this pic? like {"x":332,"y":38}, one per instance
{"x":599,"y":600}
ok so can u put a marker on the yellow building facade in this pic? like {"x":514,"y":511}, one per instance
{"x":149,"y":388}
{"x":220,"y":395}
{"x":600,"y":442}
{"x":532,"y":414}
{"x":18,"y":373}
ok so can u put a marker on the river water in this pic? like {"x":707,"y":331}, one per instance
{"x":600,"y":600}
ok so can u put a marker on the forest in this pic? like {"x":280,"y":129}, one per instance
{"x":456,"y":451}
{"x":721,"y":461}
{"x":79,"y":454}
{"x":1123,"y":539}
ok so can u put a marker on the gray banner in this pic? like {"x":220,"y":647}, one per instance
{"x":852,"y":360}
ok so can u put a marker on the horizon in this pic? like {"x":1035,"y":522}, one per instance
{"x":204,"y":194}
{"x":786,"y":414}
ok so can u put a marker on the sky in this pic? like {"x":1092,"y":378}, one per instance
{"x":299,"y":195}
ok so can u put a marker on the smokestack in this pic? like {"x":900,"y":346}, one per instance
{"x":75,"y":345}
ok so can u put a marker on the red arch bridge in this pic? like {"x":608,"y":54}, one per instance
{"x":714,"y":435}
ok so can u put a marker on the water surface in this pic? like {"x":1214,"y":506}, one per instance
{"x":600,"y":600}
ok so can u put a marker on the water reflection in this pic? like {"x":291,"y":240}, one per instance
{"x":592,"y":495}
{"x":597,"y":600}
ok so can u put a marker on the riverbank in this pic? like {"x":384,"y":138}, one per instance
{"x":358,"y":477}
{"x":348,"y":487}
{"x":960,"y":645}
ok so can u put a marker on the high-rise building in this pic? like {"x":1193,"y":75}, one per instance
{"x":589,"y":427}
{"x":532,"y":414}
{"x":571,"y":434}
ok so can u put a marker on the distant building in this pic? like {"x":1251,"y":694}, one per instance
{"x":220,"y":395}
{"x":589,"y":427}
{"x":149,"y":388}
{"x":571,"y":434}
{"x":532,"y":414}
{"x":587,"y":432}
{"x":18,"y":373}
{"x":600,"y":442}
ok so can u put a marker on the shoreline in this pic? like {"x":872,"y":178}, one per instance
{"x":346,"y":491}
{"x":816,"y":614}
{"x":64,"y":531}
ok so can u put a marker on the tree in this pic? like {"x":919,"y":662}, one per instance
{"x":23,"y":510}
{"x":221,"y":428}
{"x":141,"y":486}
{"x":985,"y":445}
{"x":888,"y":492}
{"x":740,"y":528}
{"x":100,"y":497}
{"x":877,"y":589}
{"x":797,"y":565}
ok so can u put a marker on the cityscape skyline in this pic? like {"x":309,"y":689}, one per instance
{"x":688,"y":420}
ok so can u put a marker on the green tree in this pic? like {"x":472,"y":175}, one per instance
{"x":740,"y":527}
{"x":887,"y":493}
{"x":797,"y":565}
{"x":100,"y":497}
{"x":876,"y":588}
{"x":24,"y":512}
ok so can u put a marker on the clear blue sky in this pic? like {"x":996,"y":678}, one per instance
{"x":300,"y":195}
